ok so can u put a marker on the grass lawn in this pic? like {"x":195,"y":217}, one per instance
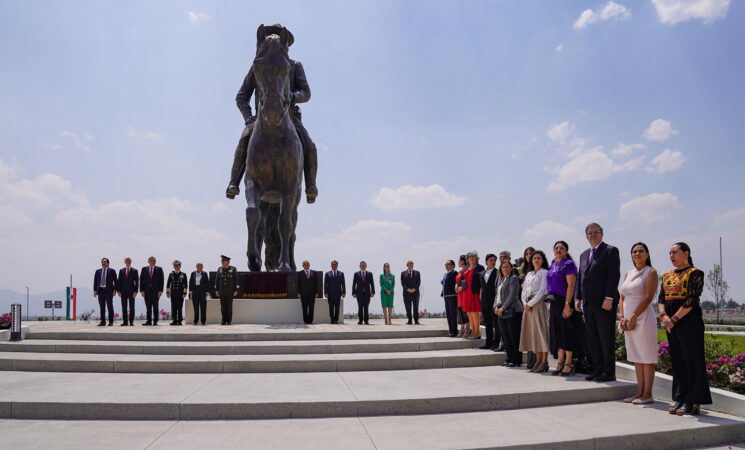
{"x":739,"y":341}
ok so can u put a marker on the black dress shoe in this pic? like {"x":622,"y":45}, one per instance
{"x":592,"y":376}
{"x":195,"y":322}
{"x":603,"y":378}
{"x":124,"y":324}
{"x":500,"y":348}
{"x":367,"y":323}
{"x":131,"y":324}
{"x":101,"y":324}
{"x":173,"y":323}
{"x":147,"y":324}
{"x":359,"y":323}
{"x":155,"y":324}
{"x":111,"y":324}
{"x":417,"y":323}
{"x":409,"y":323}
{"x":203,"y":323}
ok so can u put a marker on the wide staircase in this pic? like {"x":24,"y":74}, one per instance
{"x":321,"y":386}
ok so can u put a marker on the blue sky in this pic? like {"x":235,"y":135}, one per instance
{"x":442,"y":127}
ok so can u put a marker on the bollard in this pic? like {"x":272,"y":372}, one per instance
{"x":15,"y":322}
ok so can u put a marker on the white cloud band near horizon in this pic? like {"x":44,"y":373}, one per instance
{"x":408,"y":196}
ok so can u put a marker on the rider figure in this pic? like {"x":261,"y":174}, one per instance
{"x":300,"y":92}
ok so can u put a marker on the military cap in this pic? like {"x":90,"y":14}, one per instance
{"x":224,"y":258}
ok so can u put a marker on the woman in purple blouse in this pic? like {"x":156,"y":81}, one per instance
{"x":561,"y":278}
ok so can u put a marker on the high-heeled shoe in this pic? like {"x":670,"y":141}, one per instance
{"x":690,"y":409}
{"x":564,"y":373}
{"x":559,"y":368}
{"x":673,"y":409}
{"x":543,"y":367}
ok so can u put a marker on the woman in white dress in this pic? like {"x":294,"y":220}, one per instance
{"x":638,"y":322}
{"x":534,"y":333}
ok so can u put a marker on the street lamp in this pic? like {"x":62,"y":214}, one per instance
{"x":27,"y":303}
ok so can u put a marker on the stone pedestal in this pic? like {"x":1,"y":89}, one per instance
{"x":264,"y":311}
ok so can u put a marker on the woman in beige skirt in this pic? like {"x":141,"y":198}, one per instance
{"x":534,"y":334}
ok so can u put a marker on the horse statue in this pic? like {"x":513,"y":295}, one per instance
{"x":274,"y":162}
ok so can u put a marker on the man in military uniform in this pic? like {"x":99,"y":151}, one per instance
{"x":176,"y":290}
{"x":300,"y":93}
{"x":226,"y":287}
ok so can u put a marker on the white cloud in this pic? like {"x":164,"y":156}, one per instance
{"x":560,"y":132}
{"x":733,"y":216}
{"x":591,"y":165}
{"x":543,"y":235}
{"x":415,"y":197}
{"x":624,"y":150}
{"x":196,"y":16}
{"x":559,"y":47}
{"x":610,"y":10}
{"x":659,"y":130}
{"x":80,"y":142}
{"x":672,"y":12}
{"x":650,"y":208}
{"x":667,"y":161}
{"x":134,"y":133}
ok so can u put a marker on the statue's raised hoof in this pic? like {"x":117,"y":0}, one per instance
{"x":254,"y":264}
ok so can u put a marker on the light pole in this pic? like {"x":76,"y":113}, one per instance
{"x":26,"y":302}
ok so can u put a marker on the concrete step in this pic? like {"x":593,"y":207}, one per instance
{"x":240,"y":347}
{"x":597,"y":426}
{"x":116,"y":396}
{"x":341,"y":362}
{"x":247,"y":332}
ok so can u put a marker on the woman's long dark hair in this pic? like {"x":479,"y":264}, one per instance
{"x":527,"y":264}
{"x":544,"y":264}
{"x":566,"y":246}
{"x":649,"y":258}
{"x":685,"y":248}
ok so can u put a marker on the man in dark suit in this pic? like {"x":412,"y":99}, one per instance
{"x":363,"y":287}
{"x":307,"y":291}
{"x":597,"y":295}
{"x":451,"y":297}
{"x":199,"y":286}
{"x":151,"y":286}
{"x":335,"y":289}
{"x":104,"y":286}
{"x":488,"y":292}
{"x":411,"y":280}
{"x":128,"y":285}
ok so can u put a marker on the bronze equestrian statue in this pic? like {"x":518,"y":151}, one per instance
{"x":274,"y":157}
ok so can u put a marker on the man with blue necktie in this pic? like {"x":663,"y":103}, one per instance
{"x":104,"y":286}
{"x":128,"y":286}
{"x":363,"y":287}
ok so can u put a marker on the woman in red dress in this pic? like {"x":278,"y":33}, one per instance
{"x":470,"y":288}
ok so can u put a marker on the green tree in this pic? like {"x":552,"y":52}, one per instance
{"x":718,"y":287}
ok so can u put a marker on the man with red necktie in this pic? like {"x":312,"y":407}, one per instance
{"x":363,"y":287}
{"x":151,"y":286}
{"x":129,"y":282}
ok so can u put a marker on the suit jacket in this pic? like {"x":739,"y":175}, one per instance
{"x":598,"y":280}
{"x":363,"y":288}
{"x":151,"y":285}
{"x":448,"y":285}
{"x":204,"y":286}
{"x":110,"y":277}
{"x":307,"y":285}
{"x":510,"y":297}
{"x":488,"y":286}
{"x":128,"y":284}
{"x":411,"y":282}
{"x":334,"y":286}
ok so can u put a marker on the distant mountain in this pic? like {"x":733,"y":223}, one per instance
{"x":86,"y":301}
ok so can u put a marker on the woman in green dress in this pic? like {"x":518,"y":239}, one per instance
{"x":387,"y":283}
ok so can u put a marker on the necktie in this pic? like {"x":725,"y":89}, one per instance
{"x":410,"y":274}
{"x":363,"y":275}
{"x":126,"y":273}
{"x":307,"y":274}
{"x":592,"y":256}
{"x":334,"y":274}
{"x":151,"y":272}
{"x":103,"y":277}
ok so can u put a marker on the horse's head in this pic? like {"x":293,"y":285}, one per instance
{"x":272,"y":69}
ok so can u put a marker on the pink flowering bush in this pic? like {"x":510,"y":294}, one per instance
{"x":4,"y":318}
{"x":165,"y":315}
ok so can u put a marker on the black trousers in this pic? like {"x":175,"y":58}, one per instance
{"x":151,"y":305}
{"x":363,"y":303}
{"x":601,"y":339}
{"x":226,"y":308}
{"x":510,"y":328}
{"x":177,"y":308}
{"x":686,"y":340}
{"x":199,"y":301}
{"x":334,"y":304}
{"x":409,"y":302}
{"x":491,"y":324}
{"x":451,"y":312}
{"x":106,"y":301}
{"x":128,"y":308}
{"x":308,"y":304}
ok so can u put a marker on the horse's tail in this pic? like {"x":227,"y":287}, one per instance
{"x":271,"y":197}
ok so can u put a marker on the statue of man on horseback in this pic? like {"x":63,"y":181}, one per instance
{"x":275,"y":150}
